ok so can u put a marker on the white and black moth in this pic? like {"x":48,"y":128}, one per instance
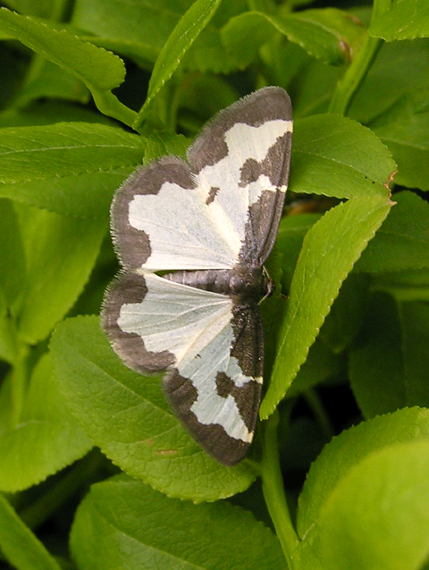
{"x":207,"y":226}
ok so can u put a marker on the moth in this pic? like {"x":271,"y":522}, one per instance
{"x":192,"y":238}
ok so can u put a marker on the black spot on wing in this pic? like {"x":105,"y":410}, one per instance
{"x":130,"y":288}
{"x":181,"y":394}
{"x":275,"y":166}
{"x":246,"y":397}
{"x":212,"y":195}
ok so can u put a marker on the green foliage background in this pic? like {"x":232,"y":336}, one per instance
{"x":95,"y":471}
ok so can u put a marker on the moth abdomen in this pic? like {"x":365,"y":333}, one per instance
{"x":243,"y":284}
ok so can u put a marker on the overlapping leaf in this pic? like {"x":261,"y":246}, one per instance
{"x":121,"y":516}
{"x":126,"y":415}
{"x":330,"y":249}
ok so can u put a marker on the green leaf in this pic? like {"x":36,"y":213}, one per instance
{"x":347,"y":313}
{"x":20,"y":546}
{"x":97,"y":68}
{"x":47,"y":438}
{"x":208,"y":53}
{"x":126,"y":523}
{"x":39,"y":113}
{"x":43,"y":8}
{"x":330,"y":249}
{"x":65,"y":149}
{"x":60,"y":254}
{"x":399,"y":68}
{"x":378,"y":516}
{"x":127,"y":416}
{"x":335,"y":156}
{"x":100,"y":70}
{"x":320,"y":365}
{"x":406,"y":20}
{"x":403,"y":128}
{"x":403,"y":241}
{"x":82,"y":195}
{"x":340,"y":456}
{"x":69,"y":168}
{"x":290,"y":236}
{"x":141,"y":28}
{"x":12,"y":260}
{"x":51,"y":81}
{"x":415,"y":339}
{"x":376,"y":361}
{"x":404,"y":286}
{"x":328,"y":34}
{"x":180,"y":40}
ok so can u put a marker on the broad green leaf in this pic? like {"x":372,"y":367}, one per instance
{"x":327,"y":34}
{"x":180,"y":40}
{"x":415,"y":338}
{"x":126,"y":415}
{"x":406,"y":20}
{"x":42,"y":9}
{"x":97,"y":68}
{"x":124,"y":523}
{"x":141,"y":27}
{"x":329,"y":251}
{"x":12,"y":260}
{"x":320,"y":365}
{"x":335,"y":156}
{"x":19,"y":545}
{"x":6,"y":402}
{"x":290,"y":236}
{"x":52,"y":82}
{"x":399,"y":68}
{"x":403,"y":241}
{"x":41,"y":113}
{"x":312,"y":83}
{"x":12,"y":81}
{"x":65,"y":149}
{"x":403,"y":128}
{"x":69,"y":168}
{"x":47,"y":438}
{"x":82,"y":195}
{"x":404,"y":286}
{"x":347,"y":313}
{"x":60,"y":253}
{"x":100,"y":70}
{"x":378,"y":516}
{"x":140,"y":30}
{"x":376,"y":361}
{"x":209,"y":54}
{"x":347,"y":451}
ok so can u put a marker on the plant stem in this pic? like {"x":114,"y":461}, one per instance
{"x":319,"y":411}
{"x":273,"y":489}
{"x":108,"y":104}
{"x":356,"y":73}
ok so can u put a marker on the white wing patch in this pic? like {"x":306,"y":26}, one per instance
{"x":207,"y":234}
{"x":175,"y":317}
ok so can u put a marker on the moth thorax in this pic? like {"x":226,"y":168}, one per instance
{"x":244,"y":284}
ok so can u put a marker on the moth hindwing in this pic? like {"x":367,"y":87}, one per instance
{"x":207,"y":225}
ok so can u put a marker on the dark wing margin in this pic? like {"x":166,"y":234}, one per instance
{"x":182,"y":392}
